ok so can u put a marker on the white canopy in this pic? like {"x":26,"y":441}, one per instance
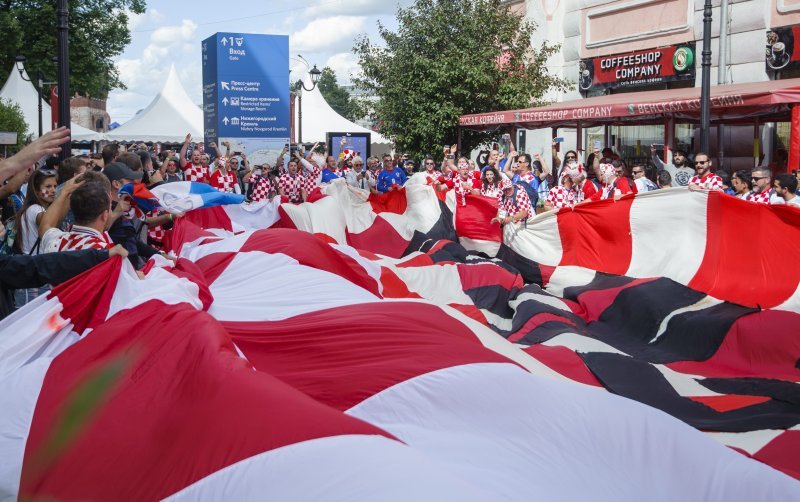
{"x":167,"y":119}
{"x":319,"y":119}
{"x":22,"y":92}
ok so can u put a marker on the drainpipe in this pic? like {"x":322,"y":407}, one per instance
{"x":722,"y":74}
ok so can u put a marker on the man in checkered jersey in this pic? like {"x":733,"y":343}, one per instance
{"x":194,"y":171}
{"x":566,"y":193}
{"x":224,"y":176}
{"x":515,"y":205}
{"x":704,"y":179}
{"x":763,"y":193}
{"x":260,"y":185}
{"x":88,"y":197}
{"x":292,"y":185}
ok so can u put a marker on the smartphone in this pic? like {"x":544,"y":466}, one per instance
{"x":559,"y":139}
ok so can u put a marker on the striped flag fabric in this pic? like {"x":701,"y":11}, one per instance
{"x":342,"y":350}
{"x":185,"y":196}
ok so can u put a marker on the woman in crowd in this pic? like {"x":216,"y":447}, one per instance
{"x":41,"y":193}
{"x":569,"y":158}
{"x":490,"y":184}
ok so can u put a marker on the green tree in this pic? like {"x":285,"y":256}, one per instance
{"x":337,"y":96}
{"x":448,"y":58}
{"x":12,"y":120}
{"x":98,"y":33}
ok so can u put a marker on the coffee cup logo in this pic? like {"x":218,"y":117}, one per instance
{"x":682,"y":59}
{"x":778,"y":50}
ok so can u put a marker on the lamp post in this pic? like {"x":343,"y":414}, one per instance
{"x":19,"y":61}
{"x":315,"y":74}
{"x":705,"y":90}
{"x":62,"y":29}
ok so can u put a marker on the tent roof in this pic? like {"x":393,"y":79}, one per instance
{"x":168,"y":118}
{"x":22,"y":92}
{"x":319,"y":119}
{"x":729,"y":103}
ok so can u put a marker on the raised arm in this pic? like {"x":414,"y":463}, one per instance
{"x":47,"y":144}
{"x":57,"y":211}
{"x":183,"y":150}
{"x":656,"y":159}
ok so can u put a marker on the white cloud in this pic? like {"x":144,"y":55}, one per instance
{"x":150,"y":16}
{"x":345,"y":64}
{"x":144,"y":76}
{"x":354,"y":7}
{"x":332,"y":34}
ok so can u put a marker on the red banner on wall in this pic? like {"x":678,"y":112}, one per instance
{"x":640,"y":68}
{"x":53,"y":106}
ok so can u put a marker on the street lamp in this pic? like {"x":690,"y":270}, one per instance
{"x":315,"y":74}
{"x":705,"y":83}
{"x":19,"y":61}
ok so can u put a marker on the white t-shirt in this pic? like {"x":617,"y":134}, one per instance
{"x":30,"y":230}
{"x":644,"y":185}
{"x":794,"y":201}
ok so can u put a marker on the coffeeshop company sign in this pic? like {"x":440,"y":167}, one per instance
{"x":636,"y":69}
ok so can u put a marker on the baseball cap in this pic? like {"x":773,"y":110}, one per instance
{"x":118,"y":170}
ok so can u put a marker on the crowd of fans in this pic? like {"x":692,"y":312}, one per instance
{"x":54,"y":211}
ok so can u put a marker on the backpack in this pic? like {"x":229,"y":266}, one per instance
{"x":533,"y":195}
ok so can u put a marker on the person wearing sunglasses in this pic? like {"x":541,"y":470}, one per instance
{"x":762,"y":187}
{"x":643,"y":184}
{"x":703,"y":178}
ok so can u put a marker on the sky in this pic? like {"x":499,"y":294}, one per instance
{"x":170,"y":32}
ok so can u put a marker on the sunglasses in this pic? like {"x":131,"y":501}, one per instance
{"x":525,"y":161}
{"x":637,"y":172}
{"x":429,"y":163}
{"x":571,"y":157}
{"x":756,"y":178}
{"x":701,"y":162}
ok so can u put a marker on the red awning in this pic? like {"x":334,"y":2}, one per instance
{"x":769,"y":100}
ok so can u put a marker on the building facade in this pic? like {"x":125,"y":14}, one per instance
{"x":90,"y":113}
{"x":614,"y":46}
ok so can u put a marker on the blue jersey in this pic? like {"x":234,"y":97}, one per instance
{"x":388,"y":178}
{"x":328,"y":176}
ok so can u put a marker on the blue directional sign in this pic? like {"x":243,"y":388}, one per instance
{"x":246,"y":89}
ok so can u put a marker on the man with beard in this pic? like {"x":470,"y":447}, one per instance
{"x":680,"y":172}
{"x":193,"y":170}
{"x":762,"y":188}
{"x":704,"y":179}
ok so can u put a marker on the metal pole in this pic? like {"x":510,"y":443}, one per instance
{"x":62,"y":27}
{"x":39,"y":78}
{"x":705,"y":92}
{"x":722,"y":78}
{"x":299,"y":116}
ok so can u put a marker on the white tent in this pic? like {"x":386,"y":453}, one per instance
{"x":22,"y":92}
{"x":319,"y":119}
{"x":167,"y":119}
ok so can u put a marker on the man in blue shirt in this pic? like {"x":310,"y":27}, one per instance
{"x":329,"y":173}
{"x":390,"y":178}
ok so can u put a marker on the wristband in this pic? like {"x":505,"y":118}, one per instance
{"x":451,"y":156}
{"x":171,"y":218}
